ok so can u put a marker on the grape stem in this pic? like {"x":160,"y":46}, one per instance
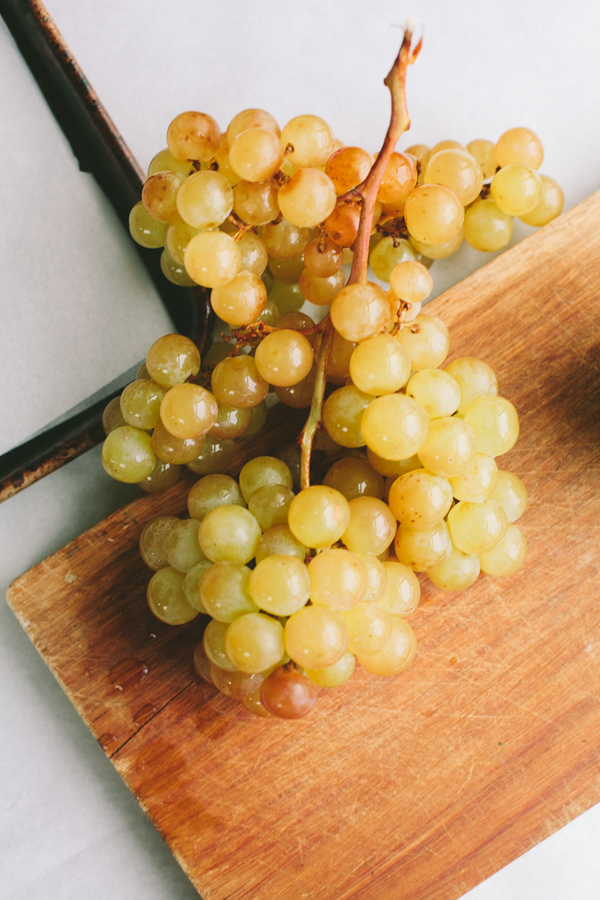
{"x":366,"y":194}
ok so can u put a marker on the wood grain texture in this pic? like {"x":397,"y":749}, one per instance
{"x":418,"y":786}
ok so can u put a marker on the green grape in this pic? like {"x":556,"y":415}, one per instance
{"x":140,"y":404}
{"x":427,"y":341}
{"x":284,"y":240}
{"x":549,"y":206}
{"x":270,"y":313}
{"x":188,"y":411}
{"x":487,"y":228}
{"x":177,"y":237}
{"x":316,"y":637}
{"x":181,"y":545}
{"x":261,"y":471}
{"x":254,"y":642}
{"x":423,"y":548}
{"x":241,"y":300}
{"x":215,"y":458}
{"x":338,"y":364}
{"x":289,"y":452}
{"x":127,"y":454}
{"x":286,"y":271}
{"x":152,"y":538}
{"x":457,"y":170}
{"x":477,"y":527}
{"x":433,"y":213}
{"x":495,"y":423}
{"x":507,"y":556}
{"x":360,"y":311}
{"x":159,"y":195}
{"x":483,"y":152}
{"x":511,"y":494}
{"x":307,"y":198}
{"x":338,"y":579}
{"x":214,"y":645}
{"x":288,"y":297}
{"x":436,"y":391}
{"x":450,"y":448}
{"x":396,"y":654}
{"x":343,"y":412}
{"x":402,"y":591}
{"x":229,"y":533}
{"x":307,"y":141}
{"x":256,"y":202}
{"x":395,"y":426}
{"x":253,"y":703}
{"x":516,"y":189}
{"x":519,"y":146}
{"x":166,"y":598}
{"x":224,"y":591}
{"x":321,"y":291}
{"x":371,"y":528}
{"x":172,"y":359}
{"x":165,"y":161}
{"x":280,"y":585}
{"x":174,"y":271}
{"x":193,"y":135}
{"x":369,"y":627}
{"x":212,"y":258}
{"x":474,"y":378}
{"x":318,"y":516}
{"x":254,"y":253}
{"x":260,"y":413}
{"x":393,"y":467}
{"x":279,"y":541}
{"x":337,"y":674}
{"x":191,"y":584}
{"x":478,"y":482}
{"x":163,"y":475}
{"x":380,"y":365}
{"x":211,"y":492}
{"x":456,"y":573}
{"x":142,"y":373}
{"x":236,"y":382}
{"x":299,"y":395}
{"x":112,"y":417}
{"x":420,"y":499}
{"x":376,"y":576}
{"x":174,"y":450}
{"x":354,"y":478}
{"x":144,"y":229}
{"x":230,"y":422}
{"x":270,"y":505}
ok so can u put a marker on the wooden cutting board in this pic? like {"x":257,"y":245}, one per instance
{"x":418,"y":786}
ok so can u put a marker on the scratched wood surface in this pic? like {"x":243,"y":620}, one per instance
{"x":419,"y":786}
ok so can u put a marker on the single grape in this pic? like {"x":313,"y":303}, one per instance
{"x":181,"y":545}
{"x":343,"y":412}
{"x":445,"y":145}
{"x":359,"y":311}
{"x":241,"y":300}
{"x":371,"y":528}
{"x":215,"y":457}
{"x":396,"y":654}
{"x":204,"y":200}
{"x":255,"y":154}
{"x":433,"y":214}
{"x":354,"y":478}
{"x":163,"y":475}
{"x":229,"y":533}
{"x":256,"y":202}
{"x":165,"y":161}
{"x":338,"y":364}
{"x":307,"y":198}
{"x":402,"y":590}
{"x":224,"y":591}
{"x":220,"y":163}
{"x":177,"y":237}
{"x":516,"y":190}
{"x":318,"y":516}
{"x":338,"y":579}
{"x":288,"y":694}
{"x":214,"y":645}
{"x":457,"y":170}
{"x":393,"y":467}
{"x":230,"y":422}
{"x":284,"y":357}
{"x":451,"y":447}
{"x":507,"y":556}
{"x":474,"y":378}
{"x":456,"y":573}
{"x":549,"y":206}
{"x":483,"y":152}
{"x":254,"y":642}
{"x":477,"y":527}
{"x":519,"y":146}
{"x":420,"y":499}
{"x":376,"y":576}
{"x":307,"y":141}
{"x":112,"y":417}
{"x":422,"y":548}
{"x":299,"y":395}
{"x":511,"y":494}
{"x":284,"y":240}
{"x":495,"y":423}
{"x":487,"y":228}
{"x":321,"y":291}
{"x":172,"y":359}
{"x":175,"y":272}
{"x":191,"y":584}
{"x":438,"y":251}
{"x":240,"y":685}
{"x":316,"y":637}
{"x":236,"y":382}
{"x":288,"y":297}
{"x":341,"y":225}
{"x":270,"y":505}
{"x":436,"y":391}
{"x":399,"y":179}
{"x":152,"y":538}
{"x":127,"y":454}
{"x":166,"y":598}
{"x":173,"y":450}
{"x":388,"y":253}
{"x":323,"y":258}
{"x":395,"y":426}
{"x":251,"y":118}
{"x":286,"y":271}
{"x":140,"y":404}
{"x":260,"y":414}
{"x":411,"y":281}
{"x":261,"y":471}
{"x":280,"y":585}
{"x":478,"y":482}
{"x":211,"y":492}
{"x":193,"y":135}
{"x":279,"y":541}
{"x":212,"y":258}
{"x":337,"y":674}
{"x":188,"y":411}
{"x":369,"y":627}
{"x":254,"y":254}
{"x":159,"y":195}
{"x":253,"y":703}
{"x":427,"y":341}
{"x":348,"y":167}
{"x":380,"y":365}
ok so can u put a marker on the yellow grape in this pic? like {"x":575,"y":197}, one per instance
{"x":402,"y":591}
{"x":395,"y":426}
{"x":359,"y":311}
{"x":487,"y":228}
{"x":477,"y":527}
{"x":251,"y":118}
{"x":229,"y":533}
{"x":511,"y":494}
{"x":172,"y":359}
{"x":335,"y":675}
{"x":145,"y":230}
{"x":420,"y":499}
{"x":393,"y":467}
{"x":224,"y":591}
{"x":456,"y":573}
{"x":254,"y":643}
{"x":307,"y":198}
{"x":173,"y":450}
{"x":318,"y":516}
{"x":438,"y":251}
{"x":191,"y":584}
{"x":321,"y":291}
{"x":193,"y":135}
{"x":220,"y":163}
{"x":445,"y":145}
{"x":338,"y":579}
{"x":380,"y":365}
{"x":348,"y":167}
{"x":214,"y":645}
{"x":256,"y":202}
{"x":177,"y":237}
{"x":212,"y":258}
{"x":433,"y":214}
{"x":519,"y":146}
{"x":254,"y":253}
{"x":495,"y":423}
{"x":279,"y":541}
{"x":376,"y":576}
{"x":388,"y":253}
{"x":241,"y":300}
{"x":230,"y":422}
{"x":205,"y":199}
{"x":236,"y":382}
{"x":284,"y":240}
{"x":369,"y":627}
{"x":450,"y":448}
{"x":140,"y":404}
{"x":127,"y":454}
{"x":422,"y":548}
{"x":307,"y":141}
{"x":284,"y":357}
{"x":343,"y":414}
{"x":159,"y":195}
{"x":427,"y":341}
{"x":316,"y":637}
{"x":474,"y":378}
{"x":152,"y":538}
{"x":212,"y":491}
{"x":457,"y":170}
{"x":270,"y":505}
{"x":188,"y":411}
{"x":255,"y":154}
{"x":516,"y":190}
{"x":354,"y":478}
{"x":396,"y":654}
{"x":483,"y":152}
{"x":165,"y":161}
{"x":371,"y":528}
{"x":478,"y":482}
{"x":436,"y":391}
{"x":507,"y":556}
{"x":261,"y":471}
{"x":181,"y":545}
{"x":549,"y":206}
{"x":411,"y":281}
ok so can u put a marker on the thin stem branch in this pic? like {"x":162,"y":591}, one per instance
{"x":316,"y":407}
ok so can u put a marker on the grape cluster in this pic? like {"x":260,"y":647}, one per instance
{"x":302,"y":584}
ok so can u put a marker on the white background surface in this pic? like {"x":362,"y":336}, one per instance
{"x":77,"y":309}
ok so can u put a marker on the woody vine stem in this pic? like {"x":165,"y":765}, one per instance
{"x":365,"y":195}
